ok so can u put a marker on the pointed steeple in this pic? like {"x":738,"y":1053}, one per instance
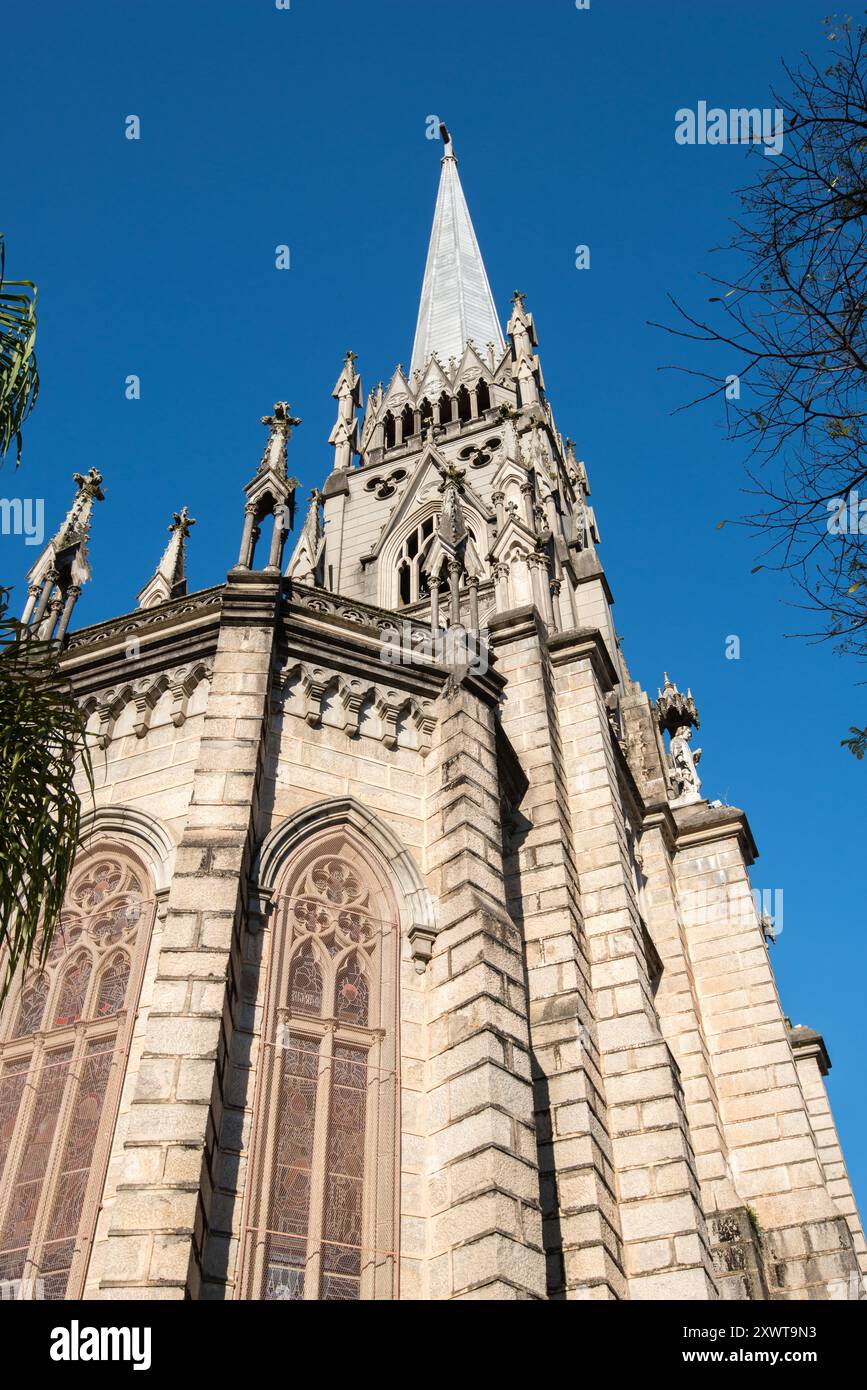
{"x":451,"y":554}
{"x":169,"y":580}
{"x":347,"y":393}
{"x":55,"y":581}
{"x":305,"y":565}
{"x":456,"y":300}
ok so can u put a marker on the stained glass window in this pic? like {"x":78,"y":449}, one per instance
{"x":112,"y":987}
{"x":320,"y":1211}
{"x":352,"y":996}
{"x":60,"y":1037}
{"x":305,"y":982}
{"x":32,"y":1007}
{"x":73,"y":990}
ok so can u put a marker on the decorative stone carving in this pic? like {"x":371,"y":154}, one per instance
{"x":145,"y":693}
{"x":673,"y":708}
{"x":684,"y":780}
{"x":104,"y":632}
{"x":395,"y":709}
{"x":677,"y":715}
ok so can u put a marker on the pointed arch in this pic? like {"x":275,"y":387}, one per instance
{"x":74,"y":982}
{"x":415,"y":906}
{"x":352,"y":991}
{"x":305,"y":985}
{"x":149,"y":839}
{"x":65,"y":1033}
{"x":319,"y":1210}
{"x":112,"y":986}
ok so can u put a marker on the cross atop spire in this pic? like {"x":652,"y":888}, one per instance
{"x":456,"y":300}
{"x":281,"y":425}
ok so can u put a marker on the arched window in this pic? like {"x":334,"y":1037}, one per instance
{"x":483,"y":396}
{"x":113,"y":984}
{"x":445,"y":408}
{"x":412,"y":581}
{"x":465,"y":405}
{"x":320,"y":1208}
{"x":389,"y":433}
{"x":62,"y":1033}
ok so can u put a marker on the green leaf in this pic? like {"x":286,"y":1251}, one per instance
{"x":43,"y":745}
{"x":19,"y":378}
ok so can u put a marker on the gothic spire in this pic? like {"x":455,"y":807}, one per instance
{"x":271,"y":492}
{"x":344,"y":436}
{"x":169,"y":580}
{"x":456,"y":300}
{"x":54,"y":582}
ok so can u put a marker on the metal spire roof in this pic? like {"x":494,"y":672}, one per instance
{"x":456,"y":300}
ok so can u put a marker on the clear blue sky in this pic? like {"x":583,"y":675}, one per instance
{"x":307,"y":127}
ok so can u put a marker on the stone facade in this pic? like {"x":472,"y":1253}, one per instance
{"x":585,"y":1086}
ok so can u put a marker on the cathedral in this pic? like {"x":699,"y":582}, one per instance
{"x":405,"y":956}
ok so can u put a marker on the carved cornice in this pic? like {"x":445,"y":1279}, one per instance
{"x":145,"y":692}
{"x":145,"y":619}
{"x":311,"y":688}
{"x":515,"y":624}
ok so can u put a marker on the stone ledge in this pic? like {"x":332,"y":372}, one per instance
{"x":806,"y":1042}
{"x":585,"y":643}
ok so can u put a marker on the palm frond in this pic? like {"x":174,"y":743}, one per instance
{"x":19,"y":377}
{"x":42,"y":745}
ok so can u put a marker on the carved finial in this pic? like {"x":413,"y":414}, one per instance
{"x":182,"y":522}
{"x":452,"y":476}
{"x":281,"y":420}
{"x":281,"y":425}
{"x":89,"y":486}
{"x":673,"y":708}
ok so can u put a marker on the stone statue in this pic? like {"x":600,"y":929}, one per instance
{"x":685,"y":781}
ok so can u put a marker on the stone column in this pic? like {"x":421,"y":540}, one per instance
{"x":32,"y":596}
{"x":245,"y":556}
{"x":679,"y":1016}
{"x":161,"y":1214}
{"x":71,"y":596}
{"x":484,"y":1227}
{"x":665,"y":1240}
{"x":582,"y":1234}
{"x":47,"y":587}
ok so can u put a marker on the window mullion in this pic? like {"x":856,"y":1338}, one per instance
{"x":273,"y":1063}
{"x":313,"y":1271}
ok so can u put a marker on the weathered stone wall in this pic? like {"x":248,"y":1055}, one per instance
{"x":599,"y":1092}
{"x":767,"y":1137}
